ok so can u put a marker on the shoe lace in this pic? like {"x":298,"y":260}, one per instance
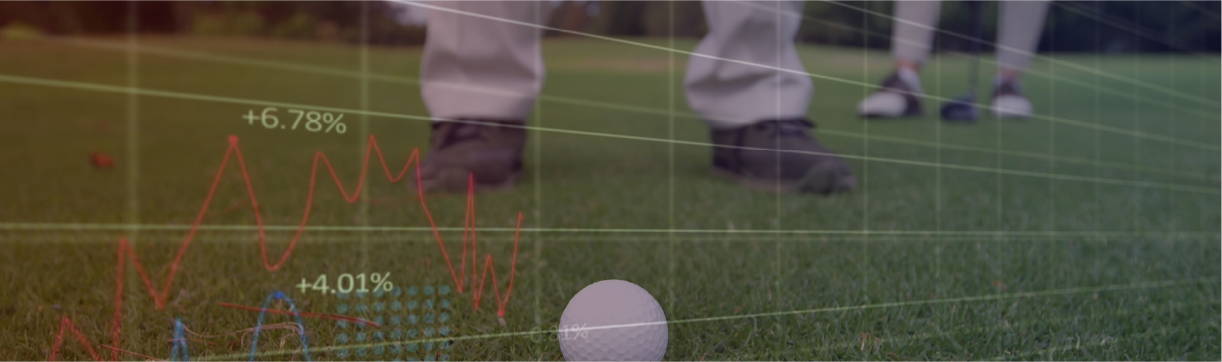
{"x":783,"y":128}
{"x":894,"y":83}
{"x":451,"y":133}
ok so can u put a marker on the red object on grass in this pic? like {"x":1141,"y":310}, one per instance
{"x":304,"y":314}
{"x":101,"y":160}
{"x":127,"y":253}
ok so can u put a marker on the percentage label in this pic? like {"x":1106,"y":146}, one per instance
{"x":315,"y":121}
{"x":347,"y":283}
{"x":574,"y":331}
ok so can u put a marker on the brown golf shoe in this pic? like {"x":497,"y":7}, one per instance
{"x":487,"y":152}
{"x":781,"y":156}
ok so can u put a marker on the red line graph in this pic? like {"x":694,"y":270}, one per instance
{"x":335,"y":317}
{"x":126,"y":251}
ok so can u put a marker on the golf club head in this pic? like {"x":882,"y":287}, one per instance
{"x":960,"y":109}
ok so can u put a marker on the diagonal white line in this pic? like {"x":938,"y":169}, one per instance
{"x":1046,"y":118}
{"x":1044,"y":293}
{"x":671,"y":113}
{"x":212,"y":98}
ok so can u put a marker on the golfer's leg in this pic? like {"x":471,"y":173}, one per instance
{"x":1019,"y":33}
{"x":911,"y":38}
{"x":476,"y":67}
{"x":733,"y":79}
{"x":482,"y":65}
{"x":747,"y":82}
{"x":1020,"y":26}
{"x":912,"y":32}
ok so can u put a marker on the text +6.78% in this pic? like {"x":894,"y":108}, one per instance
{"x":314,"y":121}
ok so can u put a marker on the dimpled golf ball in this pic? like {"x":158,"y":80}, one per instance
{"x":613,"y":320}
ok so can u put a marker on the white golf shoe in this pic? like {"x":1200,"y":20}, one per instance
{"x":1008,"y":100}
{"x":897,"y":97}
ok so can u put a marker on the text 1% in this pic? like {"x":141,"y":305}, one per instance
{"x":572,"y":332}
{"x":347,"y":283}
{"x":314,"y":121}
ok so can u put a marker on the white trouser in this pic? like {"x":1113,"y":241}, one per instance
{"x":1017,"y":37}
{"x":482,"y":68}
{"x":488,"y":69}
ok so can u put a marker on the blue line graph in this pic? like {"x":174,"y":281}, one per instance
{"x":179,"y":352}
{"x":433,"y":314}
{"x":278,"y":295}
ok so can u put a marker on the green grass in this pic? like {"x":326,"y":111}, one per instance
{"x":1090,"y":232}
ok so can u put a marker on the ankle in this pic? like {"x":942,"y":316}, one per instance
{"x":910,"y":66}
{"x":912,"y":78}
{"x":1009,"y":75}
{"x":1000,"y":79}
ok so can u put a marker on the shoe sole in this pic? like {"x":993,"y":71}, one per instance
{"x":912,"y":113}
{"x":819,"y":179}
{"x":457,"y":180}
{"x":1011,"y":117}
{"x":878,"y":117}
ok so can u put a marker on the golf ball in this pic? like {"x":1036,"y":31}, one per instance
{"x":613,"y":320}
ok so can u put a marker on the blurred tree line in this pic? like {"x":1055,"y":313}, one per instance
{"x":306,"y":20}
{"x":1118,"y":26}
{"x":1087,"y":26}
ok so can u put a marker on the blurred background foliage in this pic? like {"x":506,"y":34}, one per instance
{"x":1072,"y":26}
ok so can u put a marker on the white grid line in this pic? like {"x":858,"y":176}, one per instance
{"x":212,"y":98}
{"x":926,"y":96}
{"x":407,"y":80}
{"x":966,"y":299}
